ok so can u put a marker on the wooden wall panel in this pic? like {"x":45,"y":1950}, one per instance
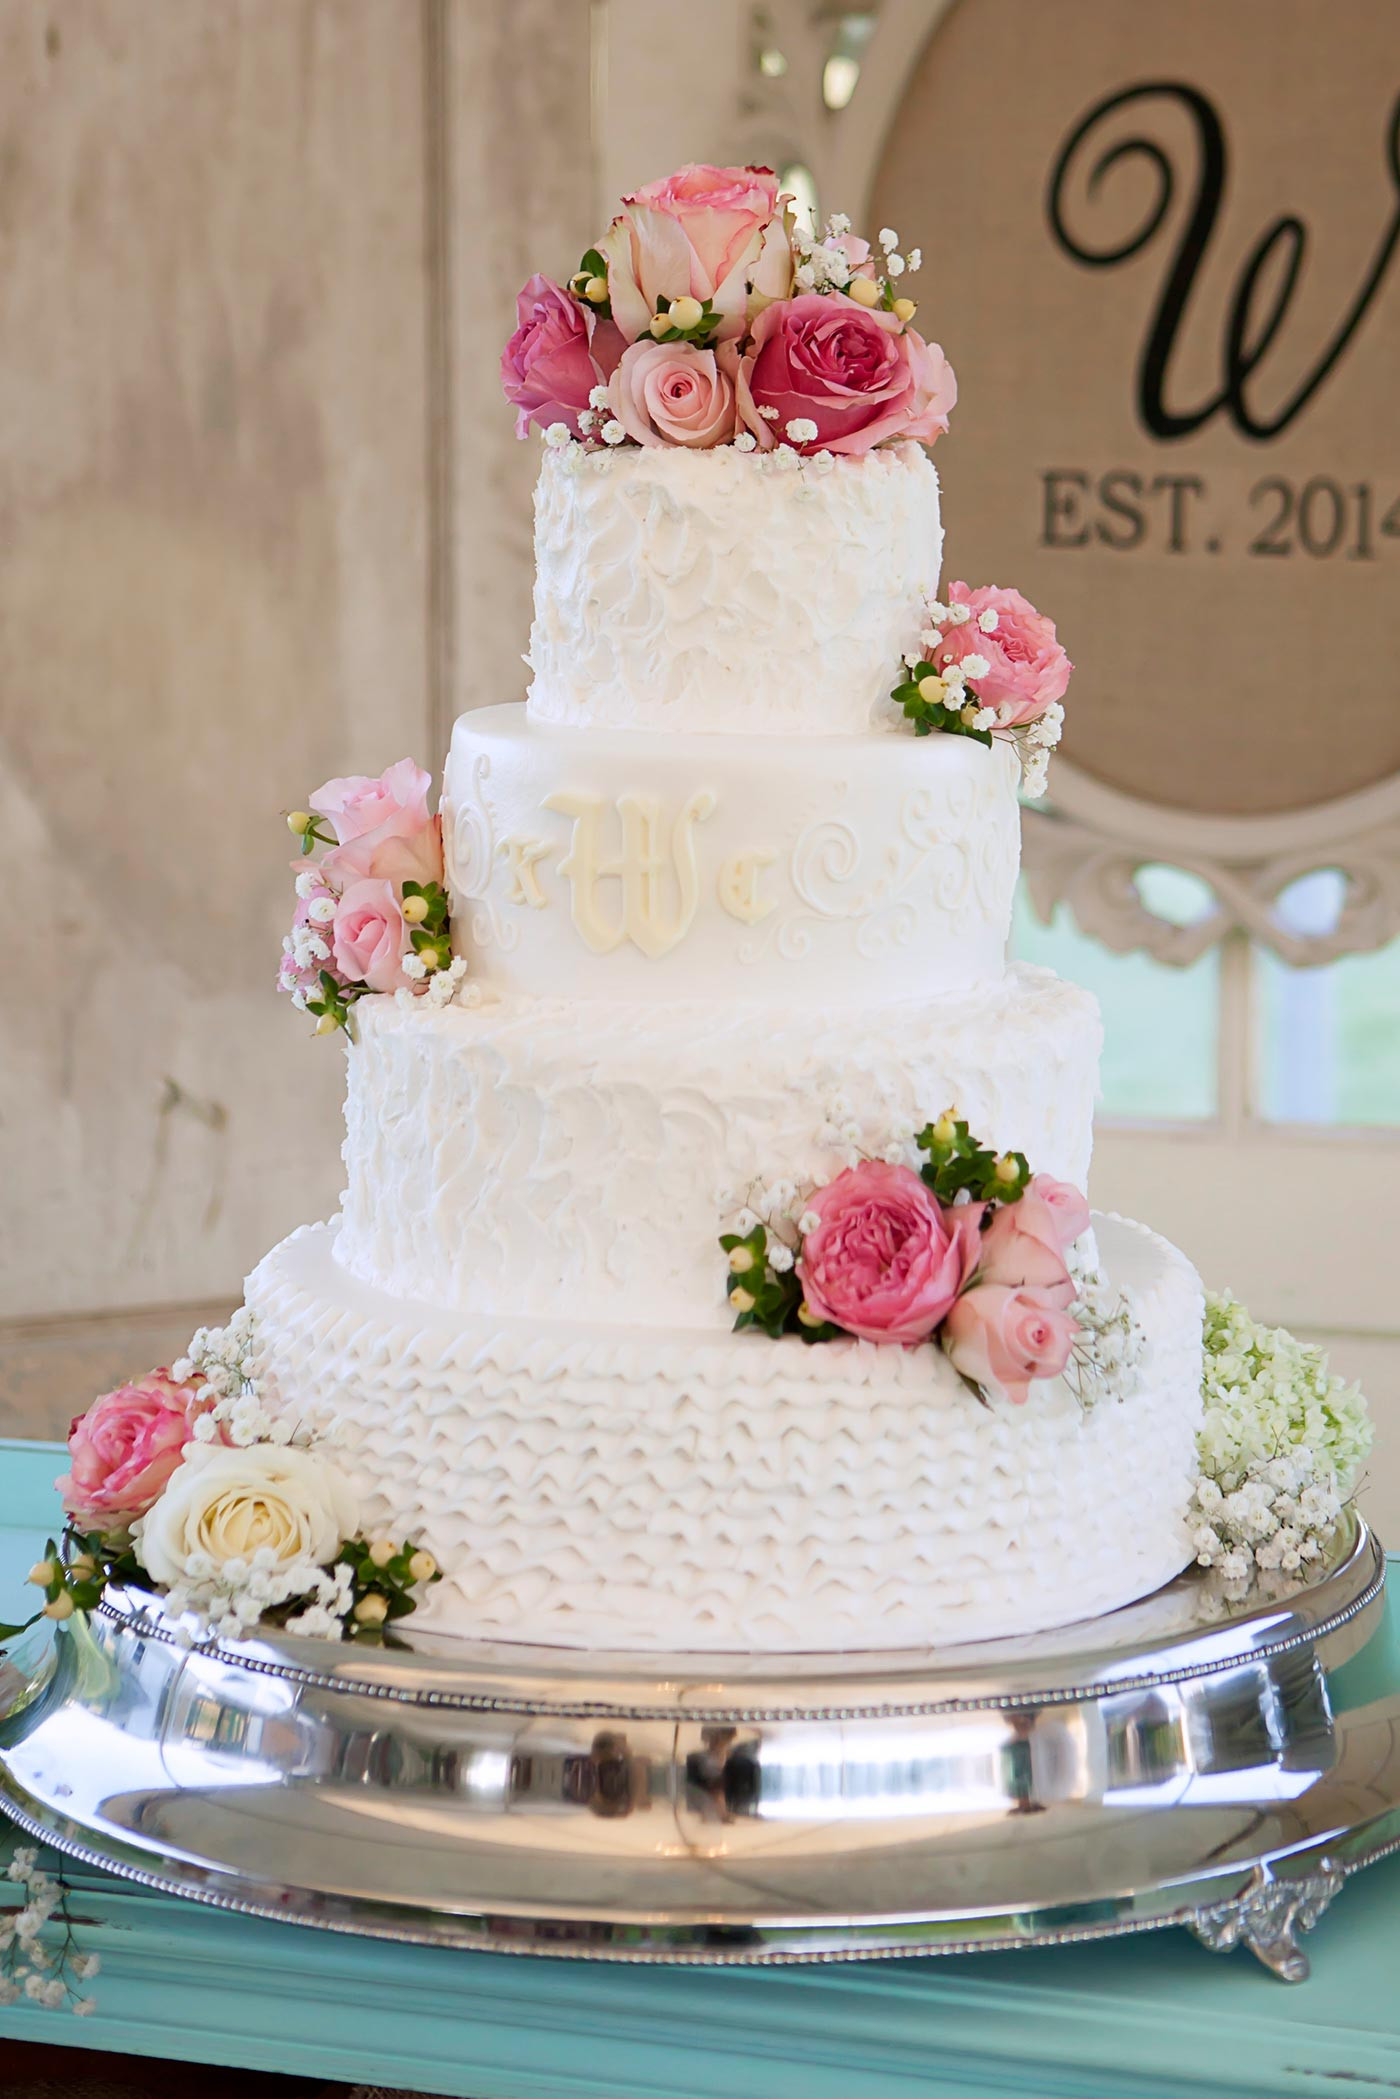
{"x":213,"y":587}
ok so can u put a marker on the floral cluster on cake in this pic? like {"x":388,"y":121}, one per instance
{"x":371,"y":912}
{"x":191,"y":1482}
{"x":970,"y":1251}
{"x":706,"y":316}
{"x":990,"y":666}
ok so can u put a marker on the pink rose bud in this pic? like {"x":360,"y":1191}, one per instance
{"x":371,"y":936}
{"x":382,"y":826}
{"x":1068,"y":1207}
{"x":1022,"y":1248}
{"x":1003,"y":1339}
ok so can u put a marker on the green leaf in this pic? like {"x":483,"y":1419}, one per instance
{"x":12,"y":1632}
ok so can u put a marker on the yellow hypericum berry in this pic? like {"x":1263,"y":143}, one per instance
{"x":864,"y":290}
{"x":371,"y":1610}
{"x":945,"y":1129}
{"x":596,"y":291}
{"x":742,"y":1299}
{"x":82,"y":1567}
{"x":807,"y":1316}
{"x":660,"y":324}
{"x":904,"y":309}
{"x":422,"y":1567}
{"x":300,"y":822}
{"x":415,"y":910}
{"x":42,"y":1573}
{"x":327,"y":1024}
{"x":741,"y":1260}
{"x":61,"y":1607}
{"x":381,"y":1551}
{"x":1007,"y":1170}
{"x":967,"y":715}
{"x":686,"y":312}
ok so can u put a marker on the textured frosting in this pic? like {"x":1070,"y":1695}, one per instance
{"x":704,"y":591}
{"x":576,"y":1160}
{"x":608,"y":865}
{"x":624,"y":1489}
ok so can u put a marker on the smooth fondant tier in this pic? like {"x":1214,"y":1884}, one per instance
{"x":677,"y":1491}
{"x":569,"y":1160}
{"x":701,"y":591}
{"x":592,"y":863}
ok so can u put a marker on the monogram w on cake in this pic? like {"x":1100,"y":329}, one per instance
{"x":715,"y":1270}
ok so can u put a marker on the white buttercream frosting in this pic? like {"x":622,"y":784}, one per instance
{"x":577,"y":1160}
{"x":603,"y":864}
{"x":719,"y":590}
{"x":623,"y":1488}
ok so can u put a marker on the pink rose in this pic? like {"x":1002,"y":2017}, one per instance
{"x":124,"y":1449}
{"x":672,"y":393}
{"x":370,"y":937}
{"x":882,"y":1261}
{"x":1022,"y":1249}
{"x":382,"y":826}
{"x":559,"y":352}
{"x":1068,"y":1207}
{"x":712,"y":233}
{"x":860,"y":375}
{"x":1028,"y":671}
{"x":1001,"y":1339}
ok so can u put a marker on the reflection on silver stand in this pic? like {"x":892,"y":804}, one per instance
{"x":1181,"y":1762}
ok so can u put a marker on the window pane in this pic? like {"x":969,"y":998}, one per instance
{"x":1330,"y":1039}
{"x":1160,"y":1024}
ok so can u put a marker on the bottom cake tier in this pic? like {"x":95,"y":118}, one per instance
{"x":593,"y":1487}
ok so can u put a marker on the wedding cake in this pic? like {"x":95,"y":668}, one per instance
{"x":719,"y":954}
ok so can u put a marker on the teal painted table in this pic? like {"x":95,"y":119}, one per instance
{"x":1154,"y":2017}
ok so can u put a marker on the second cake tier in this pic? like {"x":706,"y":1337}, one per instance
{"x":573,"y":1159}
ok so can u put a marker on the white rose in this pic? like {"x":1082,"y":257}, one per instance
{"x":228,"y":1504}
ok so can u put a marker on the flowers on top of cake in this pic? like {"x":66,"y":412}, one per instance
{"x":372,"y":913}
{"x":971,"y":1251}
{"x":192,"y":1481}
{"x":991,"y":666}
{"x":706,"y":317}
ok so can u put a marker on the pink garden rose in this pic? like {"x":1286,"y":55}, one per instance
{"x":883,"y":1261}
{"x":1001,"y":1339}
{"x":1066,"y":1204}
{"x":382,"y":826}
{"x":863,"y":377}
{"x":1028,"y":671}
{"x":371,"y":937}
{"x":1022,"y":1249}
{"x":712,"y":233}
{"x":672,"y":393}
{"x":124,"y":1449}
{"x":559,"y":352}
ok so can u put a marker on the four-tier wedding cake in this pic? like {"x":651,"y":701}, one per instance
{"x":705,"y":1022}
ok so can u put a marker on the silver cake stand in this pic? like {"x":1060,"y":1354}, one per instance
{"x":1179,"y":1762}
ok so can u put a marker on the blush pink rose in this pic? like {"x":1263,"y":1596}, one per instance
{"x":1003,"y":1339}
{"x":370,"y":937}
{"x":1022,"y":1249}
{"x":1066,"y":1204}
{"x":860,"y":375}
{"x":559,"y":352}
{"x":882,"y":1260}
{"x":382,"y":826}
{"x":672,"y":393}
{"x":712,"y":233}
{"x":1028,"y":671}
{"x":123,"y":1450}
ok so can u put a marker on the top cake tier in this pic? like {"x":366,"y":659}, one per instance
{"x":727,"y":591}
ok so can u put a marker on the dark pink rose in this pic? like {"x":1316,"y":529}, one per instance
{"x":1028,"y":670}
{"x":559,"y":352}
{"x":883,"y":1261}
{"x":709,"y":233}
{"x":124,"y":1449}
{"x":1068,"y":1207}
{"x":382,"y":826}
{"x":1022,"y":1249}
{"x":674,"y":394}
{"x":1002,"y":1339}
{"x":863,"y":377}
{"x":370,"y":937}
